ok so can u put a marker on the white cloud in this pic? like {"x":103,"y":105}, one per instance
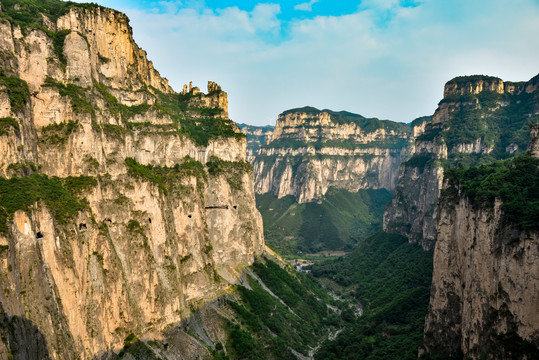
{"x":307,"y":6}
{"x":386,"y":61}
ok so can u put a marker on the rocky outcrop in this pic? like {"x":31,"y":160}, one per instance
{"x":312,"y":150}
{"x":485,"y":289}
{"x":152,"y":216}
{"x":479,"y":119}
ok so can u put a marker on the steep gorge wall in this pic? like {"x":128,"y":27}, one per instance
{"x":485,"y":293}
{"x":311,"y":151}
{"x":155,"y":221}
{"x":485,"y":288}
{"x":480,"y":119}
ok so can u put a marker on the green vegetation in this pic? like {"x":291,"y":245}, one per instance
{"x":79,"y":184}
{"x":200,"y":130}
{"x":167,"y":178}
{"x":291,"y":143}
{"x":391,"y":279}
{"x":29,"y":12}
{"x":115,"y":131}
{"x":500,"y":121}
{"x":103,"y":59}
{"x":7,"y":123}
{"x":420,"y":161}
{"x":299,"y":324}
{"x":137,"y":349}
{"x":58,"y":133}
{"x":232,"y":170}
{"x":22,"y":169}
{"x":17,"y":90}
{"x":59,"y":196}
{"x":515,"y":182}
{"x":116,"y":108}
{"x":76,"y":93}
{"x":58,"y":39}
{"x":463,"y":80}
{"x":368,"y":125}
{"x":339,"y":222}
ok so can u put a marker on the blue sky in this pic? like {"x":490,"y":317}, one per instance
{"x":379,"y":58}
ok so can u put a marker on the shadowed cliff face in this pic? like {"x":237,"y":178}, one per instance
{"x":124,"y":205}
{"x":21,"y":339}
{"x":312,"y":150}
{"x":485,"y":295}
{"x":480,"y":119}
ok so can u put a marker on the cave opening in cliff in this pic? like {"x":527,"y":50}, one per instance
{"x":150,"y":220}
{"x":82,"y":226}
{"x":39,"y":235}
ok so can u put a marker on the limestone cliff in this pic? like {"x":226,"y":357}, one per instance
{"x":129,"y":205}
{"x":312,"y":150}
{"x":485,"y":288}
{"x":480,"y":119}
{"x":257,"y":136}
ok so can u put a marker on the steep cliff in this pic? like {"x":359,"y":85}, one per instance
{"x":312,"y":150}
{"x":484,"y":299}
{"x":480,"y":119}
{"x":123,"y":205}
{"x":257,"y":136}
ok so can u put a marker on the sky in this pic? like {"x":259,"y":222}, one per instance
{"x":387,"y":59}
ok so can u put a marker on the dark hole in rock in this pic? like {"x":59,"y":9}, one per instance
{"x":39,"y":235}
{"x":150,"y":220}
{"x":235,"y":207}
{"x":189,"y":216}
{"x":107,"y":220}
{"x":82,"y":226}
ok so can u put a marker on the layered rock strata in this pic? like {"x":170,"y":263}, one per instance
{"x":312,"y":150}
{"x":155,"y":212}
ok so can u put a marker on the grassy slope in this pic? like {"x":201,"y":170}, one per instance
{"x":339,"y":222}
{"x":260,"y":325}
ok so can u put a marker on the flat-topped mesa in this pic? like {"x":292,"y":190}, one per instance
{"x":311,"y":125}
{"x":312,"y":150}
{"x":215,"y":99}
{"x":474,"y":84}
{"x":464,"y":90}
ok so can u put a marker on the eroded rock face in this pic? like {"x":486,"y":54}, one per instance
{"x":485,"y":287}
{"x":471,"y":125}
{"x":147,"y":246}
{"x":311,"y":151}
